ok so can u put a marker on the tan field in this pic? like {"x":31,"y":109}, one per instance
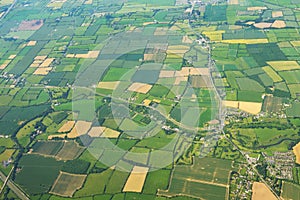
{"x":249,"y":107}
{"x":262,"y":25}
{"x":40,"y":58}
{"x":80,"y":128}
{"x":47,"y":62}
{"x":166,"y":74}
{"x":140,"y":87}
{"x":66,"y":127}
{"x":296,"y":150}
{"x":66,"y":184}
{"x":279,"y":24}
{"x":284,"y":65}
{"x":147,"y":102}
{"x":31,"y":43}
{"x":50,"y":137}
{"x":32,"y":25}
{"x":70,"y":55}
{"x":42,"y":71}
{"x":185,"y":71}
{"x":5,"y":64}
{"x":96,"y":131}
{"x":277,"y":14}
{"x":89,"y":2}
{"x":109,"y":85}
{"x":180,"y":79}
{"x":12,"y":56}
{"x":233,"y":2}
{"x":262,"y":192}
{"x":90,"y":54}
{"x":187,"y":40}
{"x":199,"y":71}
{"x":109,"y":133}
{"x":256,"y":8}
{"x":148,"y":57}
{"x":136,"y":179}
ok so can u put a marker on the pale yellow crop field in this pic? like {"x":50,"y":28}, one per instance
{"x":261,"y":191}
{"x":284,"y":65}
{"x":136,"y":179}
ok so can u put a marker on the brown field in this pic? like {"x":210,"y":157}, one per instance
{"x":296,"y":150}
{"x":66,"y":184}
{"x":261,"y":191}
{"x":180,"y":79}
{"x":277,"y":14}
{"x":109,"y":133}
{"x":80,"y":128}
{"x":66,"y":127}
{"x":31,"y":25}
{"x":279,"y":24}
{"x":256,"y":8}
{"x":112,"y":85}
{"x":166,"y":74}
{"x":136,"y":179}
{"x":70,"y":150}
{"x":140,"y":87}
{"x":42,"y":71}
{"x":249,"y":107}
{"x":96,"y":131}
{"x":50,"y":137}
{"x":284,"y":65}
{"x":262,"y":25}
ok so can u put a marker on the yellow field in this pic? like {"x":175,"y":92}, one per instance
{"x":31,"y":43}
{"x":47,"y":62}
{"x":148,"y":57}
{"x":136,"y":179}
{"x":112,"y":85}
{"x":80,"y":128}
{"x":178,"y":49}
{"x":245,"y":41}
{"x":249,"y":107}
{"x":66,"y":184}
{"x":295,"y":43}
{"x":296,"y":150}
{"x":273,"y":75}
{"x":261,"y":191}
{"x":50,"y":137}
{"x":5,"y":64}
{"x":166,"y":74}
{"x":109,"y":133}
{"x":66,"y":127}
{"x":284,"y":65}
{"x":180,"y":79}
{"x":277,"y":14}
{"x":96,"y":131}
{"x":214,"y":35}
{"x":12,"y":56}
{"x":147,"y":102}
{"x":140,"y":87}
{"x":199,"y":71}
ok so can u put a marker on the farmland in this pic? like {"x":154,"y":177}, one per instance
{"x":147,"y":99}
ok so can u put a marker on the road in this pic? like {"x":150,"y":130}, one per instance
{"x":9,"y":9}
{"x":13,"y":187}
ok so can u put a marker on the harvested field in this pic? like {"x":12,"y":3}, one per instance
{"x":187,"y":40}
{"x":112,"y":85}
{"x":31,"y":43}
{"x":140,"y":87}
{"x":80,"y":128}
{"x":296,"y":150}
{"x":199,"y":71}
{"x":50,"y":137}
{"x":278,"y":24}
{"x":277,"y":14}
{"x":147,"y":102}
{"x":31,"y":25}
{"x":149,"y":56}
{"x":96,"y":131}
{"x":160,"y":31}
{"x":136,"y":179}
{"x":256,"y":8}
{"x":12,"y":56}
{"x":166,"y":74}
{"x":90,"y":54}
{"x":284,"y":65}
{"x":66,"y":184}
{"x":295,"y":43}
{"x":42,"y":71}
{"x":249,"y":107}
{"x":260,"y":191}
{"x":262,"y":25}
{"x":66,"y":127}
{"x":5,"y":64}
{"x":40,"y":58}
{"x":185,"y":71}
{"x":178,"y":80}
{"x":109,"y":133}
{"x":47,"y":62}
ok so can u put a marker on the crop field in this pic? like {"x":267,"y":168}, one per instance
{"x":290,"y":191}
{"x":66,"y":184}
{"x":260,"y":191}
{"x":206,"y":178}
{"x":50,"y":148}
{"x":136,"y":179}
{"x":69,"y":151}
